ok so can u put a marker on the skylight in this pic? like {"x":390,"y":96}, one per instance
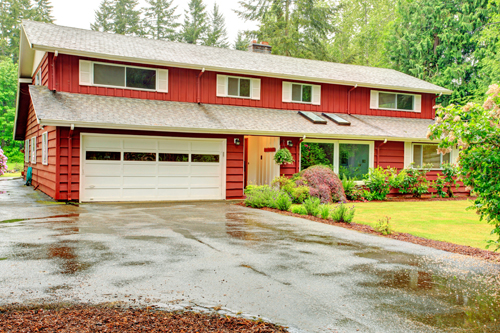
{"x":312,"y":117}
{"x":337,"y":119}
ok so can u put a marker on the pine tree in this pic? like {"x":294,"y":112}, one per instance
{"x":104,"y":17}
{"x":127,"y":18}
{"x":241,"y":42}
{"x":161,"y":20}
{"x":217,"y":35}
{"x":195,"y":26}
{"x":11,"y":14}
{"x":437,"y":41}
{"x":42,"y":11}
{"x":298,"y":28}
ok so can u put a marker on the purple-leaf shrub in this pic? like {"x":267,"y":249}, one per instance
{"x":3,"y":162}
{"x":324,"y":184}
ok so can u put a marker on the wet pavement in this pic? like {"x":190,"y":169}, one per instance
{"x":294,"y":272}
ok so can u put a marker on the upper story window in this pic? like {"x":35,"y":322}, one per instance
{"x":126,"y":77}
{"x":301,"y":93}
{"x":38,"y":78}
{"x":426,"y":154}
{"x":238,"y":87}
{"x":395,"y":101}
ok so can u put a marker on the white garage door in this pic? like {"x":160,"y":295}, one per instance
{"x":133,"y":168}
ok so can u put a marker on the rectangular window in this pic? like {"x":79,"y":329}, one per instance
{"x":33,"y":150}
{"x":103,"y":156}
{"x":354,"y":160}
{"x":27,"y":153}
{"x":393,"y":101}
{"x":427,"y":155}
{"x":162,"y":157}
{"x":144,"y":157}
{"x":199,"y":158}
{"x":238,"y":87}
{"x":350,"y":159}
{"x":38,"y":78}
{"x":301,"y":93}
{"x":124,"y":76}
{"x":45,"y":148}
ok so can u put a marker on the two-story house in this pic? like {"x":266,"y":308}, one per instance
{"x":115,"y":118}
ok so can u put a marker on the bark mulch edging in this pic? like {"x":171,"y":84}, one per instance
{"x":440,"y":245}
{"x":100,"y":319}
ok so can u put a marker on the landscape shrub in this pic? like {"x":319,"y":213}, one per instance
{"x":413,"y":180}
{"x":283,"y":201}
{"x":324,"y":211}
{"x":323,"y":183}
{"x":296,"y":192}
{"x":299,"y":210}
{"x":439,"y":186}
{"x":283,"y":156}
{"x":342,"y":213}
{"x":377,"y":181}
{"x":261,"y":196}
{"x":312,"y":206}
{"x":349,"y":186}
{"x":384,"y":226}
{"x":3,"y":162}
{"x":450,"y":172}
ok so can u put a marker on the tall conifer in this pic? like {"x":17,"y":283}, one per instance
{"x":161,"y":20}
{"x":216,"y":34}
{"x":195,"y":26}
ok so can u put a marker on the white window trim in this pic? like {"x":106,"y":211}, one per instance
{"x":33,"y":150}
{"x":38,"y":78}
{"x":336,"y":153}
{"x":427,"y":144}
{"x":125,"y":78}
{"x":45,"y":148}
{"x":396,"y":109}
{"x":27,"y":151}
{"x":239,"y":78}
{"x":301,"y":91}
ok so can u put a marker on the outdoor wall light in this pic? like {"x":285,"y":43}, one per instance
{"x":237,"y":141}
{"x":289,"y":143}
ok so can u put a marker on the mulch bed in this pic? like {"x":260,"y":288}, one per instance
{"x":445,"y":246}
{"x":101,"y":319}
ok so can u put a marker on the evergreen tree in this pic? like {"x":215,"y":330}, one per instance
{"x":298,"y":28}
{"x":241,"y":42}
{"x":12,"y":12}
{"x":435,"y":41}
{"x":104,"y":17}
{"x":217,"y":35}
{"x":127,"y":18}
{"x":195,"y":26}
{"x":42,"y":11}
{"x":161,"y":20}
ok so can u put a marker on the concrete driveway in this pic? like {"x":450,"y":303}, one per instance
{"x":294,"y":272}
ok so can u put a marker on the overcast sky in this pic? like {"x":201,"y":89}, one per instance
{"x":80,"y":13}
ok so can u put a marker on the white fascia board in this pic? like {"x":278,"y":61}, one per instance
{"x":235,"y":71}
{"x":65,"y":123}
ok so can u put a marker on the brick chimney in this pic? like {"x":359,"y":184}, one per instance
{"x":262,"y":47}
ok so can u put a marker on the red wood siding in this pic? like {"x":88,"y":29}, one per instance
{"x":44,"y":67}
{"x":234,"y":161}
{"x":289,"y":170}
{"x":44,"y":176}
{"x":183,"y":88}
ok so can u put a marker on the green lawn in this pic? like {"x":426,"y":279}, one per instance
{"x":11,"y":166}
{"x":439,"y":220}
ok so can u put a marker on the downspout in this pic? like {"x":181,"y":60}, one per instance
{"x":378,"y":151}
{"x":56,"y":54}
{"x":198,"y":99}
{"x":349,"y":99}
{"x":70,"y":162}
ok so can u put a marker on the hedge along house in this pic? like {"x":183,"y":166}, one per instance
{"x":115,"y":118}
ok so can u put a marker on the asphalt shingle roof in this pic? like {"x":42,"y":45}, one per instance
{"x":50,"y":37}
{"x":57,"y":108}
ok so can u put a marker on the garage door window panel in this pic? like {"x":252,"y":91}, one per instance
{"x":143,"y":157}
{"x":103,"y":156}
{"x":163,"y":157}
{"x":205,"y":158}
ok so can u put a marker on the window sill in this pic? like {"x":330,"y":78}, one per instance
{"x":124,"y":88}
{"x":398,"y":110}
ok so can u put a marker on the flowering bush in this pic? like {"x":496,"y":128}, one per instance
{"x":3,"y":162}
{"x":475,"y":129}
{"x":450,"y":172}
{"x":323,"y":183}
{"x":283,"y":156}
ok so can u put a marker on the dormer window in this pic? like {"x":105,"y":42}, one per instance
{"x":301,"y":93}
{"x":238,"y":87}
{"x":125,"y":77}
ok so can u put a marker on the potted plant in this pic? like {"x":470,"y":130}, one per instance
{"x":283,"y":156}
